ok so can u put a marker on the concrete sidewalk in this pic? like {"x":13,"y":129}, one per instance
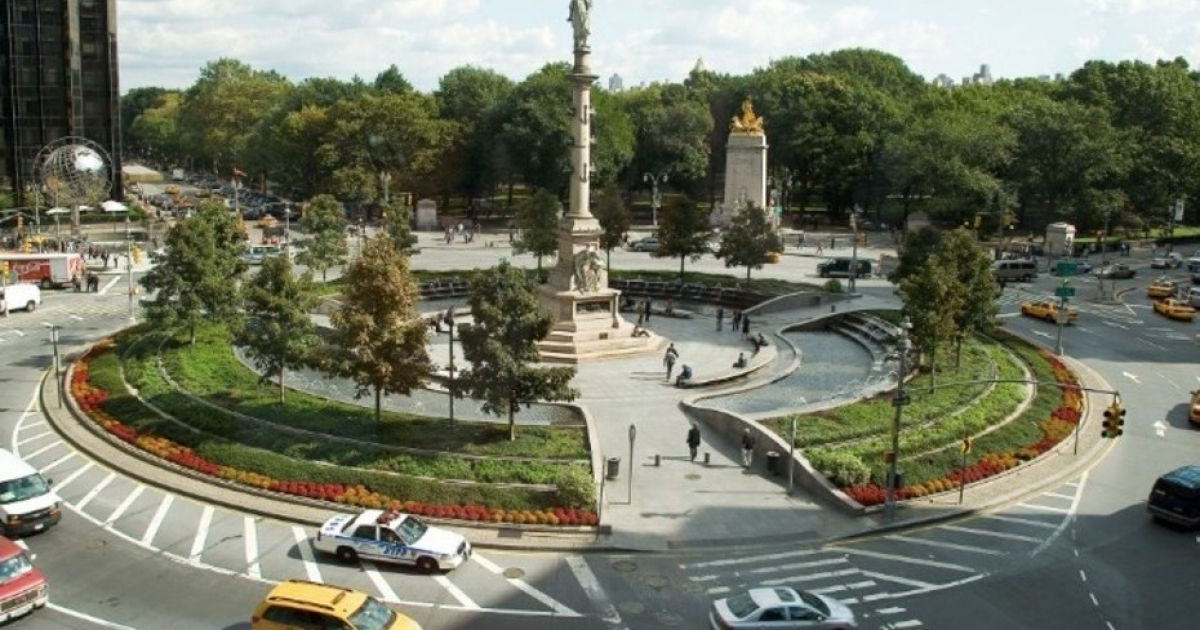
{"x":670,"y":502}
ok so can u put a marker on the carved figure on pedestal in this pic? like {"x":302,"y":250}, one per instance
{"x":748,"y":123}
{"x":588,"y":267}
{"x":581,"y":22}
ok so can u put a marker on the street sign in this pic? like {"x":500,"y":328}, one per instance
{"x":1065,"y":292}
{"x":965,"y":447}
{"x":1067,"y":268}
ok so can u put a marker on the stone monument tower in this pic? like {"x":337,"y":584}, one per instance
{"x":588,"y":323}
{"x":745,"y":166}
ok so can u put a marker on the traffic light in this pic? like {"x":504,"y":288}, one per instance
{"x":1114,"y":419}
{"x":4,"y":269}
{"x":26,"y":247}
{"x":137,"y":254}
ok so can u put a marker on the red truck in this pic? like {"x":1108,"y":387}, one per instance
{"x":45,"y":270}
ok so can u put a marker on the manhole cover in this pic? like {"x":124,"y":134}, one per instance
{"x":93,"y":545}
{"x":632,"y":608}
{"x":667,"y":618}
{"x":624,"y":566}
{"x":514,"y":573}
{"x":691,"y":476}
{"x":657,"y":581}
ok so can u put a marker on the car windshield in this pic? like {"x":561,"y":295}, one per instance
{"x":411,"y":530}
{"x":14,"y":567}
{"x":23,"y":488}
{"x":741,"y":605}
{"x":373,"y":616}
{"x":814,"y":602}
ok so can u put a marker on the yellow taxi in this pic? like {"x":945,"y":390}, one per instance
{"x":268,"y":221}
{"x":302,"y":604}
{"x":1161,"y":288}
{"x":1048,"y":310}
{"x":1194,"y":408}
{"x":1175,"y":309}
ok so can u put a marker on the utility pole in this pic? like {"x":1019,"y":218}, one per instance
{"x":129,"y":267}
{"x":898,"y":401}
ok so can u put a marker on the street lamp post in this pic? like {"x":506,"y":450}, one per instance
{"x":385,"y":178}
{"x":854,"y":250}
{"x":57,"y":369}
{"x":129,"y":266}
{"x":655,"y":199}
{"x":900,"y":399}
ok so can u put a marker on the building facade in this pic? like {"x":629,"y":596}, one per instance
{"x":58,"y":78}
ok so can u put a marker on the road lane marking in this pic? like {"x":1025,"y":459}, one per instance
{"x":844,"y":587}
{"x":945,"y":545}
{"x":554,"y":604}
{"x":1045,"y":508}
{"x":894,"y":610}
{"x":898,"y":580}
{"x":32,"y":438}
{"x":58,"y":461}
{"x":251,"y":540}
{"x":987,"y":532}
{"x":72,"y":477}
{"x":108,"y":285}
{"x":1066,"y":521}
{"x":908,"y":623}
{"x":1132,"y":377}
{"x":1068,"y":497}
{"x":748,"y":559}
{"x":385,"y":590}
{"x":95,"y":491}
{"x":891,"y":556}
{"x":104,"y":623}
{"x":1019,"y":520}
{"x":1082,"y":575}
{"x":201,"y":537}
{"x":595,"y":593}
{"x":812,"y":576}
{"x":41,"y":450}
{"x":116,"y":514}
{"x":457,"y":593}
{"x":157,"y":521}
{"x":306,"y":554}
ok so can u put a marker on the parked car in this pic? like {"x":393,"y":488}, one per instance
{"x":1082,"y":267}
{"x":840,"y":267}
{"x":20,"y":296}
{"x":22,"y":586}
{"x":1119,"y":271}
{"x":1161,"y":288}
{"x":1048,"y":310}
{"x":1175,"y":497}
{"x":1010,"y":270}
{"x":648,"y":244}
{"x":1170,"y":261}
{"x":301,"y":604}
{"x":1194,"y":408}
{"x":780,"y":607}
{"x":392,"y":537}
{"x":1175,"y":309}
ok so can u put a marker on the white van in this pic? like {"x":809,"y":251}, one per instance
{"x":1193,"y":296}
{"x":27,"y":504}
{"x":20,"y":296}
{"x":1006,"y":270}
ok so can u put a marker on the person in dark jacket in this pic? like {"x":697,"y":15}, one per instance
{"x":693,"y":439}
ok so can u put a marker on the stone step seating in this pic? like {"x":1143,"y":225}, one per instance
{"x":710,"y":376}
{"x":560,"y":347}
{"x":444,"y":288}
{"x":872,"y":333}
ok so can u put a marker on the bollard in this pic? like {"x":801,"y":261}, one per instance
{"x":707,"y":458}
{"x":657,"y":460}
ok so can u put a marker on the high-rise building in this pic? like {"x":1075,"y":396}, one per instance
{"x":616,"y":83}
{"x":58,"y":78}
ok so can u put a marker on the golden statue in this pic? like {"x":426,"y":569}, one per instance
{"x":747,"y":123}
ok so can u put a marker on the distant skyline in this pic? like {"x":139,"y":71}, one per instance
{"x":166,"y":42}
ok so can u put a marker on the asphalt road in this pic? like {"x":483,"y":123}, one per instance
{"x":1083,"y":554}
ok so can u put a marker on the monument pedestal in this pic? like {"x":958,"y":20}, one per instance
{"x":590,"y":328}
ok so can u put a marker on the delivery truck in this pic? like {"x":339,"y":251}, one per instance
{"x":50,"y":270}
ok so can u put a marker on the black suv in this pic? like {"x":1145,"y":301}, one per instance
{"x":1175,"y":497}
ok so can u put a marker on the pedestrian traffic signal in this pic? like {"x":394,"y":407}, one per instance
{"x":1114,"y":419}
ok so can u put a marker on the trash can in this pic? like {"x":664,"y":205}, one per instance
{"x":614,"y":467}
{"x":773,"y":463}
{"x":899,"y":479}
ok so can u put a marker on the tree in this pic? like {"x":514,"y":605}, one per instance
{"x":378,"y":337}
{"x":971,"y":267}
{"x":614,"y":220}
{"x":397,"y":222}
{"x":914,"y":252}
{"x":685,"y":232}
{"x":277,"y":331}
{"x":501,"y":345}
{"x":325,"y":224}
{"x":537,"y":218}
{"x":222,"y":109}
{"x":750,"y":240}
{"x":196,"y":278}
{"x":931,"y":298}
{"x":391,"y":81}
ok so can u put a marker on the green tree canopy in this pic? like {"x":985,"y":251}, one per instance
{"x":537,"y":218}
{"x":277,"y":331}
{"x":325,"y":224}
{"x":750,"y":240}
{"x":685,"y":231}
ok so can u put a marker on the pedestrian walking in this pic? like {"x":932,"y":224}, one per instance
{"x":720,"y":317}
{"x":669,"y":360}
{"x":649,"y":309}
{"x":693,"y":440}
{"x":748,"y":443}
{"x":820,"y":248}
{"x":745,"y":326}
{"x":641,"y":311}
{"x":737,"y":320}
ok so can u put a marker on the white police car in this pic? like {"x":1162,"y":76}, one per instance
{"x":391,"y":537}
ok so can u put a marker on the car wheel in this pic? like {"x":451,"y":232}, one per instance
{"x":1050,"y":318}
{"x":427,"y":565}
{"x":31,"y":306}
{"x":347,"y":555}
{"x":45,"y":283}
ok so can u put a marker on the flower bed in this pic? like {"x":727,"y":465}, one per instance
{"x":1053,"y":427}
{"x":95,"y":400}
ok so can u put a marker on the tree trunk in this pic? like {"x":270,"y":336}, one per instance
{"x":378,"y":398}
{"x":681,"y":259}
{"x":512,"y":425}
{"x":958,"y":343}
{"x":324,"y":277}
{"x":747,"y":276}
{"x":193,"y":330}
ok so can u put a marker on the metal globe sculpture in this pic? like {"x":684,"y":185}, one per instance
{"x":73,"y":172}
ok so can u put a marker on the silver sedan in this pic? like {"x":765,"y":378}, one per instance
{"x":780,"y":608}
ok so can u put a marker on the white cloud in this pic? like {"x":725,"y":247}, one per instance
{"x":1135,"y":7}
{"x":1087,"y":45}
{"x":853,"y":18}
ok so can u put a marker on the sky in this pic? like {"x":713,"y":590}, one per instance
{"x":166,"y":42}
